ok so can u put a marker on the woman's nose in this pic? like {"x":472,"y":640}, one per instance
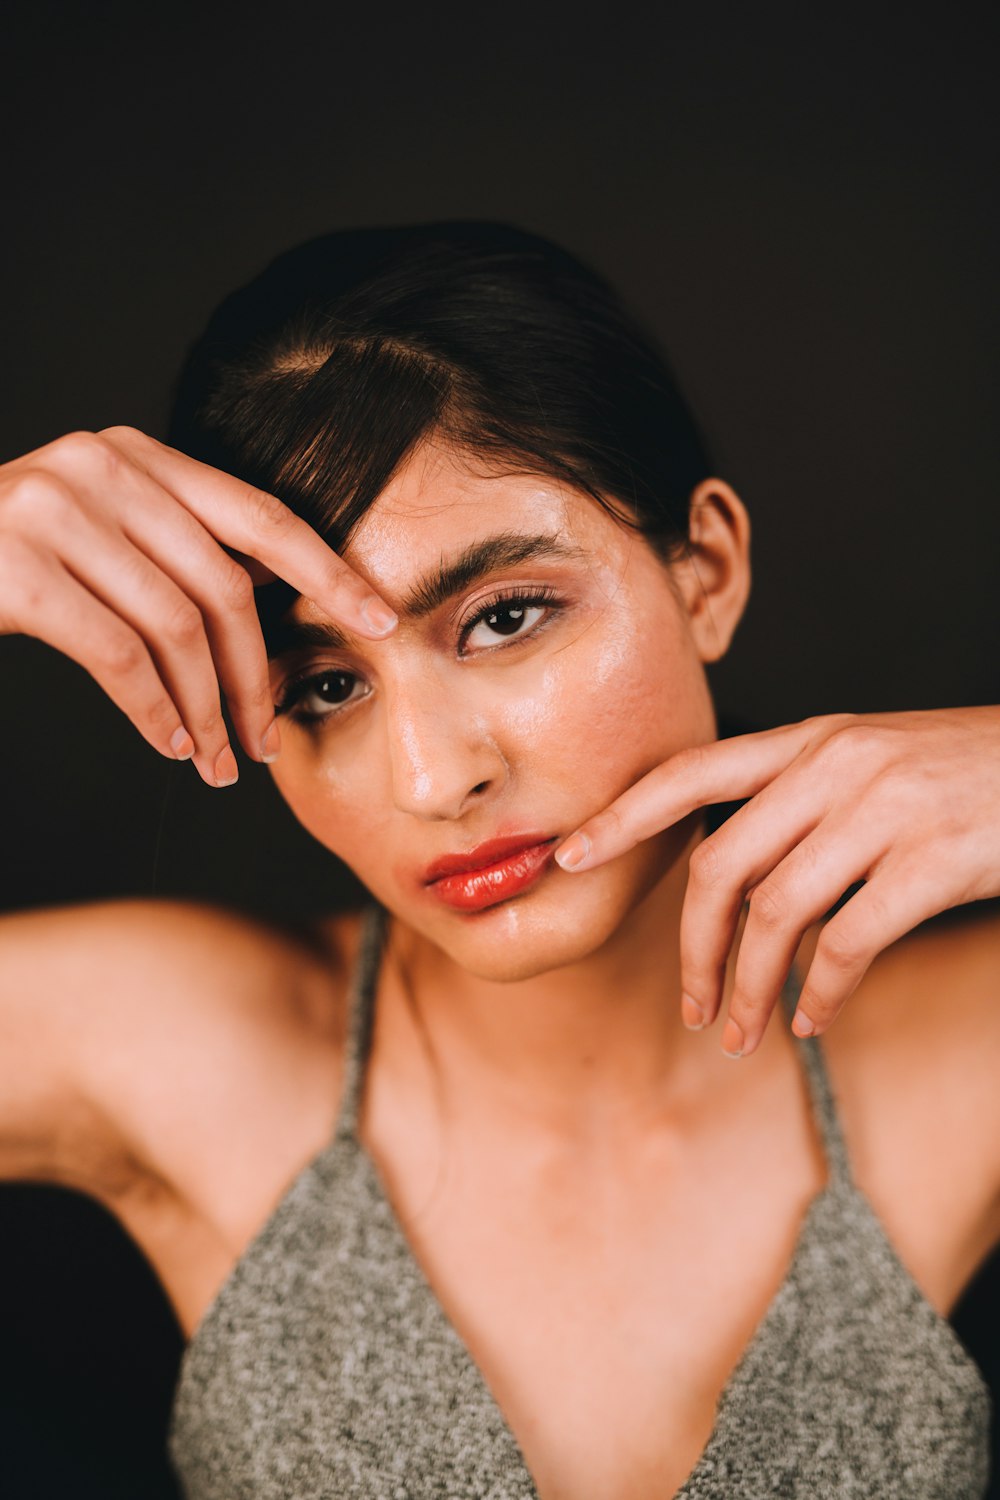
{"x":442,"y":754}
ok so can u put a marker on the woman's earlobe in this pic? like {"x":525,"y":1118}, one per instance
{"x":715,"y":572}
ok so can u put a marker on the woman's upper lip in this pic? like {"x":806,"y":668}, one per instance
{"x":483,"y":855}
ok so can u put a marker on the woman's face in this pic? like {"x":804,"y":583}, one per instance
{"x":543,"y":662}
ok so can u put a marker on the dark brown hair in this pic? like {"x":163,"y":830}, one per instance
{"x":318,"y":378}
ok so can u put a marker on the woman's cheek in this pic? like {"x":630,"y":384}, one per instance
{"x":335,"y":803}
{"x":639,"y":698}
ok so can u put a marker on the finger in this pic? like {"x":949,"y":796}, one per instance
{"x":106,"y":563}
{"x":795,"y":895}
{"x":102,"y":540}
{"x":900,"y":895}
{"x":48,"y":603}
{"x":261,"y":526}
{"x":168,"y":621}
{"x":723,"y":771}
{"x":725,"y":866}
{"x":223,"y":591}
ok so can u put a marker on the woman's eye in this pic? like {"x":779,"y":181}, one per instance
{"x":503,"y":620}
{"x":318,"y":696}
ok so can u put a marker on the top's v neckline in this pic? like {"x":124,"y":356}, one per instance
{"x":803,"y":1279}
{"x":368,"y":968}
{"x":478,"y":1378}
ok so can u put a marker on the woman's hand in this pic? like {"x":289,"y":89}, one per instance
{"x":112,"y":549}
{"x":909,"y":803}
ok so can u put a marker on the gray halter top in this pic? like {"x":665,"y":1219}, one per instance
{"x":326,"y":1366}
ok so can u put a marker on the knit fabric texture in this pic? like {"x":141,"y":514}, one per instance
{"x":327,"y":1367}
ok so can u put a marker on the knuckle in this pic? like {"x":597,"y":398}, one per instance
{"x":236,"y":589}
{"x":337,"y":583}
{"x":688,"y":764}
{"x":161,"y":713}
{"x":899,"y":785}
{"x":840,"y":949}
{"x":706,"y":865}
{"x":121,"y":433}
{"x":854,"y":742}
{"x":88,"y":450}
{"x":184,"y":626}
{"x":211,"y":725}
{"x":609,"y":827}
{"x":873,"y":915}
{"x":822,"y":725}
{"x":747,"y":1006}
{"x":267,"y":513}
{"x":769,"y":906}
{"x":259,"y":695}
{"x":36,"y":492}
{"x":250,"y":692}
{"x":819,"y":1008}
{"x":76,"y":444}
{"x":837,"y":750}
{"x":122,"y":652}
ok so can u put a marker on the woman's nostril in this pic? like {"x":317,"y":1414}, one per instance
{"x":481,"y":787}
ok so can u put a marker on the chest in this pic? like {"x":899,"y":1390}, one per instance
{"x":603,"y":1307}
{"x":606,"y":1309}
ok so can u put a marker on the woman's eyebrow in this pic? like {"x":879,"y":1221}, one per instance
{"x":506,"y":549}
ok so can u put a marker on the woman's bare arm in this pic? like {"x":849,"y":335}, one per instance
{"x":140,"y":563}
{"x":112,"y":1014}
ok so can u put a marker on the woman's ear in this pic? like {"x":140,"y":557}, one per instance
{"x":713,"y":575}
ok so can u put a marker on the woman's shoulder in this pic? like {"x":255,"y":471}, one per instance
{"x":208,"y":964}
{"x":215,"y":1056}
{"x":931,"y":998}
{"x":243,"y":995}
{"x":174,"y":1018}
{"x":914,"y":1060}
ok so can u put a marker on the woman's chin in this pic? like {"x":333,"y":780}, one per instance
{"x":559,"y":922}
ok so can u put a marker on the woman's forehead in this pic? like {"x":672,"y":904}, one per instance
{"x":438,"y":505}
{"x":444,"y":522}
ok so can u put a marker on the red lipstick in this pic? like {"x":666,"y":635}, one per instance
{"x":490,"y":873}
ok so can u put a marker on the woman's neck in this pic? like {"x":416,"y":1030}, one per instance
{"x":577,"y":1050}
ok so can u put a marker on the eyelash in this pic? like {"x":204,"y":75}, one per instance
{"x":298,"y":688}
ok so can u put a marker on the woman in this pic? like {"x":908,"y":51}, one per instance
{"x":448,"y":1200}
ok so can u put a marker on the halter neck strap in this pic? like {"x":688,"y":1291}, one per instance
{"x":374,"y":924}
{"x":821,"y":1094}
{"x":361,"y":1015}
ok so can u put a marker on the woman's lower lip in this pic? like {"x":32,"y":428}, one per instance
{"x":473,"y":890}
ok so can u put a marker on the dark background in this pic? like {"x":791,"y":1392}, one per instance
{"x":801,"y":203}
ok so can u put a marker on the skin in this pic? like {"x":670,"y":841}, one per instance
{"x":532,"y":1056}
{"x":438,"y":749}
{"x":139,"y":563}
{"x":906,"y":803}
{"x":527,"y":735}
{"x":112,"y":551}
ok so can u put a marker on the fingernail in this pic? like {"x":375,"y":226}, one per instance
{"x":378,"y":616}
{"x":270,"y":745}
{"x":732,"y":1040}
{"x":226,"y":769}
{"x":182,"y":744}
{"x":692,"y":1014}
{"x":802,"y":1025}
{"x":573,"y":852}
